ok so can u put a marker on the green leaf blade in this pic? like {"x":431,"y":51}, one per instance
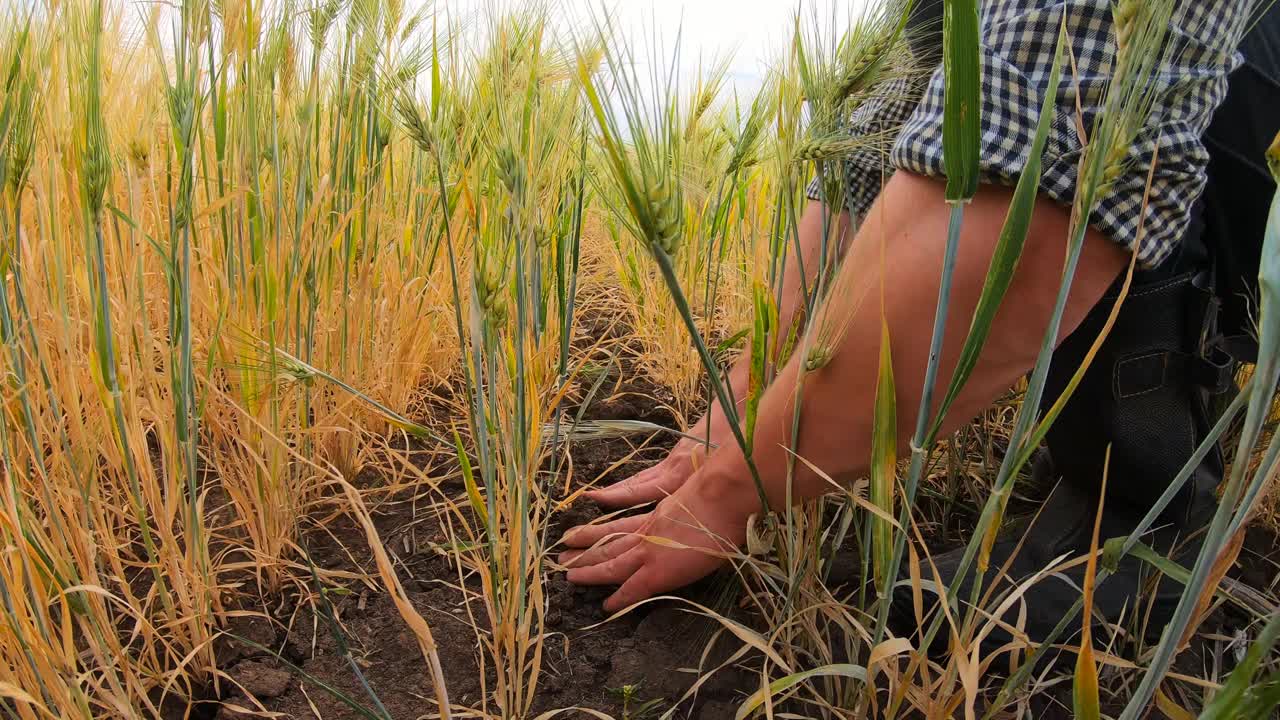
{"x":962,"y":102}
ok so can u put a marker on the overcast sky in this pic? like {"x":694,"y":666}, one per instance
{"x":752,"y":30}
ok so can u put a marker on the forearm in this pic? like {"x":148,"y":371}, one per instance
{"x":895,"y":268}
{"x":800,"y":272}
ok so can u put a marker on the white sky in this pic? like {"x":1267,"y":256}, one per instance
{"x":752,"y":30}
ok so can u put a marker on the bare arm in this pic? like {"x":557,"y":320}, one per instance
{"x":837,"y":401}
{"x":903,"y":234}
{"x":799,"y":274}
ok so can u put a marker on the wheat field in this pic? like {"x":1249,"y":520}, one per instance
{"x":301,"y":274}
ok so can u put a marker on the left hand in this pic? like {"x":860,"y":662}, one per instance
{"x":655,"y":482}
{"x":685,"y":537}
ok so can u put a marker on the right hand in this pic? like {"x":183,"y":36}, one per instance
{"x":685,"y":537}
{"x":656,"y":482}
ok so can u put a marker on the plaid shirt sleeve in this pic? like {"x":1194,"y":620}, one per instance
{"x":884,"y":112}
{"x":1017,"y":47}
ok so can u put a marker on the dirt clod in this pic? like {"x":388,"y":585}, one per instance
{"x":245,"y":637}
{"x":261,"y":680}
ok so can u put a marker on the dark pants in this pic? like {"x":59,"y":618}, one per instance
{"x":1183,"y":326}
{"x":1240,"y":189}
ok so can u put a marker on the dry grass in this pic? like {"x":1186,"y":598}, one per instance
{"x":247,"y":250}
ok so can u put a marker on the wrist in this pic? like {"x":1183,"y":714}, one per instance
{"x":726,"y":482}
{"x":705,"y":436}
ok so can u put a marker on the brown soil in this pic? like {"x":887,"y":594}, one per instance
{"x":656,"y":647}
{"x":659,"y":647}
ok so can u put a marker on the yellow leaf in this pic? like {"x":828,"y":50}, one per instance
{"x":1171,"y":708}
{"x":1085,"y":688}
{"x":884,"y":459}
{"x":13,"y":692}
{"x":887,"y":649}
{"x":469,"y":480}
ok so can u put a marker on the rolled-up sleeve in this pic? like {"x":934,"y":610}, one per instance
{"x":1018,"y":44}
{"x":882,"y":114}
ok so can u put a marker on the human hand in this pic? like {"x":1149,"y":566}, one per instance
{"x":684,"y":538}
{"x":655,"y":482}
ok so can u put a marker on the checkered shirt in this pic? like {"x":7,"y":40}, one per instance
{"x":1017,"y":48}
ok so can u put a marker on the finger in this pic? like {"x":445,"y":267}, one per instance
{"x":641,"y":585}
{"x":610,"y":572}
{"x":605,"y":552}
{"x":628,"y":494}
{"x":643,"y":477}
{"x":584,"y":536}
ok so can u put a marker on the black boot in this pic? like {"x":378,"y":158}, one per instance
{"x":1146,"y":395}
